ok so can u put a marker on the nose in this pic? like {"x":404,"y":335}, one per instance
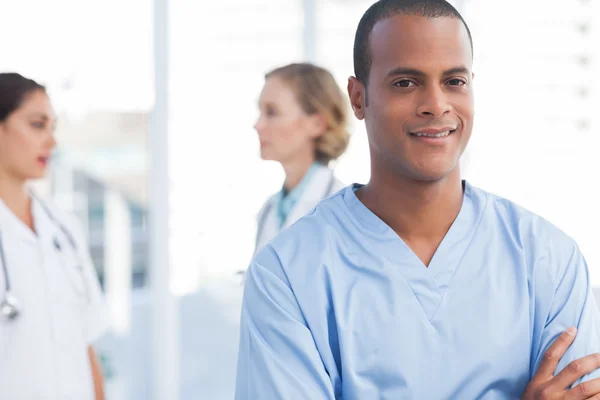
{"x":51,"y":141}
{"x":434,"y":102}
{"x":258,"y":125}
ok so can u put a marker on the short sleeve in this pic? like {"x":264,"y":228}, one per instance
{"x":278,"y":358}
{"x":572,"y":304}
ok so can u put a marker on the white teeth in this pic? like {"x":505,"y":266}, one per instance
{"x":433,"y":135}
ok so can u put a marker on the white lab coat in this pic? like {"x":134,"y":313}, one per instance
{"x":43,"y":353}
{"x":322,"y":184}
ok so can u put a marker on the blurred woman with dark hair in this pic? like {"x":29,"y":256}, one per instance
{"x":51,"y":307}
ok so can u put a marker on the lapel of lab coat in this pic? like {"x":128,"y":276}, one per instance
{"x":315,"y":191}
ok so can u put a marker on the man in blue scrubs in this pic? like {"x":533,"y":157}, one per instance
{"x":417,"y":285}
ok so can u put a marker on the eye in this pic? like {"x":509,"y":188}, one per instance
{"x":38,"y":125}
{"x":270,"y":111}
{"x":457,"y":82}
{"x":404,"y":83}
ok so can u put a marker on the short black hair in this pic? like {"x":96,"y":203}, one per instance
{"x":384,"y":9}
{"x":14,"y":88}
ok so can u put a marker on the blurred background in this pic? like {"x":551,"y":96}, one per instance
{"x":156,"y":103}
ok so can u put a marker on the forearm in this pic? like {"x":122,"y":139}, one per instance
{"x":96,"y":374}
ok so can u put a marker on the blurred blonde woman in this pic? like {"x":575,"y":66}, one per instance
{"x":303,"y":125}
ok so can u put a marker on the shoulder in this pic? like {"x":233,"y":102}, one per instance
{"x":337,"y":185}
{"x":303,"y":245}
{"x":268,"y":204}
{"x":334,"y":184}
{"x":522,"y":221}
{"x":542,"y":243}
{"x":320,"y":221}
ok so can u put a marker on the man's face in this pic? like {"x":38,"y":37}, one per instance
{"x":419,"y":113}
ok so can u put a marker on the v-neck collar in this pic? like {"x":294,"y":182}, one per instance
{"x":427,"y":283}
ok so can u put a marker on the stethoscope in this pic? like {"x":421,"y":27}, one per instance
{"x":10,"y":308}
{"x":262,"y":222}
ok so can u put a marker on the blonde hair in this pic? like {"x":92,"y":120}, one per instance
{"x":317,"y":92}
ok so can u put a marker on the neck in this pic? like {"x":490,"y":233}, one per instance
{"x":415,"y":209}
{"x":295,"y":170}
{"x":13,"y":193}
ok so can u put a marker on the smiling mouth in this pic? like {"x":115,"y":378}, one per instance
{"x":434,"y":134}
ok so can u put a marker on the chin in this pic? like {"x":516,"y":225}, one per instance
{"x":433,"y":174}
{"x":266,"y":157}
{"x":428,"y":177}
{"x":37,"y":175}
{"x":269,"y":155}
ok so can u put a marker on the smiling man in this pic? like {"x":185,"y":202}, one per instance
{"x":417,"y":285}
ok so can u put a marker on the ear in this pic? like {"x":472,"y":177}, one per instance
{"x":472,"y":76}
{"x":318,"y":125}
{"x":357,"y":94}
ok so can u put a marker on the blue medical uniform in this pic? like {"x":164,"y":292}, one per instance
{"x":339,"y":307}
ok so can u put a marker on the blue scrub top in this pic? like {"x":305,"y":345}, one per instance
{"x":339,"y":307}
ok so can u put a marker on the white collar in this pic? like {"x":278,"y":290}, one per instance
{"x":11,"y":225}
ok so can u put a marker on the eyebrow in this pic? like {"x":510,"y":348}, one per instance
{"x":265,"y":104}
{"x":44,"y":118}
{"x":421,"y":74}
{"x":39,"y":115}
